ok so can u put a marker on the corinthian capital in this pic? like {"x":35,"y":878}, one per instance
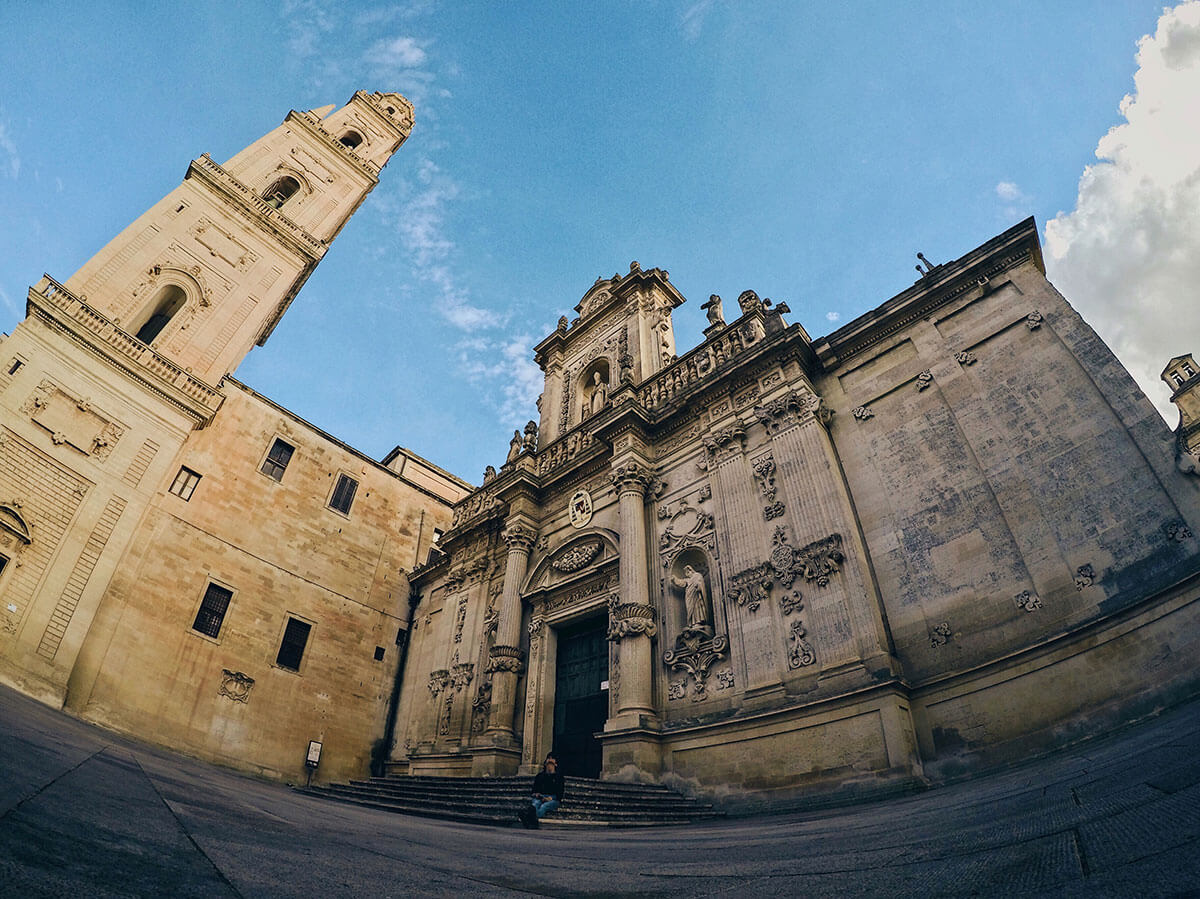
{"x":631,"y":478}
{"x":519,"y":536}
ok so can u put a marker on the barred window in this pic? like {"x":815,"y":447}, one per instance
{"x":277,"y":459}
{"x":291,"y":649}
{"x":185,"y":483}
{"x":343,"y":494}
{"x":212,"y":610}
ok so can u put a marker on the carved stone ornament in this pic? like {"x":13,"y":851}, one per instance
{"x":862,"y":413}
{"x":235,"y":685}
{"x":505,"y":658}
{"x":1027,"y":601}
{"x":481,"y":707}
{"x":1177,"y":531}
{"x":438,"y":680}
{"x":695,"y":656}
{"x":791,"y":601}
{"x":924,"y":379}
{"x":752,"y":587}
{"x":792,"y":408}
{"x":800,"y":651}
{"x":1034,"y":320}
{"x":536,"y":627}
{"x":631,"y":619}
{"x":764,"y":474}
{"x":965,"y":357}
{"x":462,"y":674}
{"x":725,"y":679}
{"x":576,"y":557}
{"x":816,"y":561}
{"x":1085,"y":576}
{"x":688,"y":527}
{"x":940,"y":634}
{"x":579,"y":508}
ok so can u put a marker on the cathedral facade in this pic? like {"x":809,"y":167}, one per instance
{"x":765,"y":569}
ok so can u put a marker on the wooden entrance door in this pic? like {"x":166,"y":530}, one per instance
{"x":580,"y":702}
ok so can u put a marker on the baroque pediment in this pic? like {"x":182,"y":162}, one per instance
{"x":572,"y":561}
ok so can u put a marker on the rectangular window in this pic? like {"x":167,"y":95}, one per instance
{"x":291,"y":650}
{"x":3,"y":562}
{"x":212,"y":610}
{"x":343,"y":494}
{"x":185,"y":483}
{"x":16,"y":365}
{"x":277,"y":460}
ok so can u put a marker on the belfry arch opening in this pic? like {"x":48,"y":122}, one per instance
{"x":166,"y":303}
{"x":350,"y":140}
{"x":282,"y":190}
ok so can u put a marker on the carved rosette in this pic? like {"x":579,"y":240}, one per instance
{"x":752,"y":587}
{"x":505,"y":658}
{"x":631,"y":478}
{"x":631,"y":619}
{"x":726,"y":443}
{"x":939,"y":634}
{"x":518,"y":536}
{"x":235,"y":685}
{"x":694,"y":656}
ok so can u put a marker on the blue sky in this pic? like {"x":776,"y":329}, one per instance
{"x":805,"y":150}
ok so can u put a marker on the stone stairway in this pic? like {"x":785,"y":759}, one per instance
{"x":495,"y":800}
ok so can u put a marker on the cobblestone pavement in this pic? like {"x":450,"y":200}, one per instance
{"x":86,"y":813}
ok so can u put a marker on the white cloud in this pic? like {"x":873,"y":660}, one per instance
{"x":693,"y":17}
{"x":397,"y":52}
{"x":1017,"y":204}
{"x":507,"y":363}
{"x":6,"y":301}
{"x":10,"y":159}
{"x":833,"y":316}
{"x":1128,"y":256}
{"x":1007,"y":190}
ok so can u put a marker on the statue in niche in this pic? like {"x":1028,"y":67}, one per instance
{"x":599,"y":393}
{"x":695,"y":600}
{"x":514,"y":448}
{"x":713,"y":309}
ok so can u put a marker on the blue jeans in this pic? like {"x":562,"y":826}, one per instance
{"x":544,"y":806}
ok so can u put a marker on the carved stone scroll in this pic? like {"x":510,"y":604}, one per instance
{"x":751,"y":587}
{"x":800,"y":651}
{"x":694,"y":656}
{"x":235,"y":685}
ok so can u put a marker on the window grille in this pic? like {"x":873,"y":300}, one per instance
{"x":212,"y":610}
{"x":291,"y":649}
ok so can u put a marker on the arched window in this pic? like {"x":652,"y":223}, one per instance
{"x":351,"y":139}
{"x":166,"y":303}
{"x":281,"y":191}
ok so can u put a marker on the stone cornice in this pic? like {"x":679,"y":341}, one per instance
{"x":943,"y":284}
{"x":56,"y":306}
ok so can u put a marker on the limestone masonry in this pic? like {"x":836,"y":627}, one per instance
{"x":950,"y":534}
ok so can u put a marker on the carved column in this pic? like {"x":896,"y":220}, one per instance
{"x":633,"y":619}
{"x":504,"y":662}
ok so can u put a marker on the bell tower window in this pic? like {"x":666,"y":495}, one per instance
{"x":166,"y":303}
{"x":350,"y":139}
{"x":281,"y":191}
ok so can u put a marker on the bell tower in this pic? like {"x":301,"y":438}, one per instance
{"x":207,"y":272}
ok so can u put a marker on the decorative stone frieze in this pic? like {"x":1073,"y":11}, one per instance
{"x":505,"y":658}
{"x":800,"y":651}
{"x":579,"y":594}
{"x":235,"y":685}
{"x":1034,"y":320}
{"x":939,"y":634}
{"x":630,"y":619}
{"x":751,"y":587}
{"x":631,"y":478}
{"x":1027,"y":601}
{"x":815,"y":562}
{"x":694,"y":655}
{"x":1085,"y":576}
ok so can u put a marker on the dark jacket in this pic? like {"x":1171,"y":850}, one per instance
{"x":549,"y":784}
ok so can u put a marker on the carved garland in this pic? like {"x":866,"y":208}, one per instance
{"x":631,"y":619}
{"x":577,"y":557}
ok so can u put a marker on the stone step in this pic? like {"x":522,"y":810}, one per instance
{"x":495,"y":800}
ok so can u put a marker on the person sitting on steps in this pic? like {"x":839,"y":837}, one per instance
{"x":547,"y":793}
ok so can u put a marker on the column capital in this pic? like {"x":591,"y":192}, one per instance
{"x":520,"y":536}
{"x":505,"y":658}
{"x":630,"y":619}
{"x":793,"y":408}
{"x":631,"y":477}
